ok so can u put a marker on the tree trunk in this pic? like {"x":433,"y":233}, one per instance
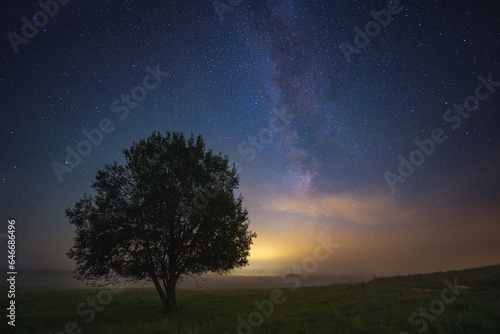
{"x":160,"y":291}
{"x":171,"y":301}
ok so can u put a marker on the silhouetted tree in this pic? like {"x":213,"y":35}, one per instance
{"x":168,"y":212}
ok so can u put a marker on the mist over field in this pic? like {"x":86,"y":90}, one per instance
{"x":63,"y":280}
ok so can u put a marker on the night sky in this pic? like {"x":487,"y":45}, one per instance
{"x":319,"y":122}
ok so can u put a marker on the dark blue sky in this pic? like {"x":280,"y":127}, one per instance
{"x":318,"y":168}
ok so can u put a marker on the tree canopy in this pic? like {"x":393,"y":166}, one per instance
{"x":167,"y":212}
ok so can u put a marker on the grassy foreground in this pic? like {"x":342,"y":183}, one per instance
{"x":383,"y":305}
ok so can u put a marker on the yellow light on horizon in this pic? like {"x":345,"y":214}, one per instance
{"x":274,"y":248}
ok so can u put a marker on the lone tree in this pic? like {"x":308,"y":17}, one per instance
{"x":168,"y":212}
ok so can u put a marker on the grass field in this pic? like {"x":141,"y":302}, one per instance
{"x":383,"y":305}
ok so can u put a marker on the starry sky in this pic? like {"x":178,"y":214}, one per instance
{"x":322,"y":123}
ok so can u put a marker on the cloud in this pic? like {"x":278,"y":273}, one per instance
{"x":367,"y":210}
